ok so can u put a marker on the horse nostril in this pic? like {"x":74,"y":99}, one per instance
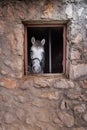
{"x":36,"y":69}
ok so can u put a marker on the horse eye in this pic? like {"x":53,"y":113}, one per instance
{"x":31,"y":52}
{"x":43,"y":54}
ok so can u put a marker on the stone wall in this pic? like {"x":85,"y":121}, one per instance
{"x":14,"y":13}
{"x":45,"y":102}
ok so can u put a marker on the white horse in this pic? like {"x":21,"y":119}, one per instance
{"x":37,"y":55}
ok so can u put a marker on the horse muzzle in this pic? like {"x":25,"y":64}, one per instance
{"x":36,"y":69}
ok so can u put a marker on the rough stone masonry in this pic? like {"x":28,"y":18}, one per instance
{"x":56,"y":102}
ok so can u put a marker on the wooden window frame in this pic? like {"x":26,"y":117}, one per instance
{"x":26,"y":71}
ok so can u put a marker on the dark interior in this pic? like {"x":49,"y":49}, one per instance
{"x":56,"y":46}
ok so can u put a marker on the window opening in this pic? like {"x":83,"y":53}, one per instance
{"x":54,"y":47}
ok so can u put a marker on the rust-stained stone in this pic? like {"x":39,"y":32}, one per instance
{"x":8,"y":83}
{"x":48,"y":10}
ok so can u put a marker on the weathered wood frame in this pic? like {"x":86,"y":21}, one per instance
{"x":26,"y":44}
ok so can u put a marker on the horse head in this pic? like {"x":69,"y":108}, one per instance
{"x":37,"y":55}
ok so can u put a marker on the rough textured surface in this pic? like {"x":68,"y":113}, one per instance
{"x":43,"y":102}
{"x":14,"y":13}
{"x":32,"y":106}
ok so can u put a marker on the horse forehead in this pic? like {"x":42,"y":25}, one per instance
{"x":37,"y":49}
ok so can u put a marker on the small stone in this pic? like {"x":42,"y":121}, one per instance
{"x":84,"y":96}
{"x":18,"y":64}
{"x":80,"y":128}
{"x":51,"y":95}
{"x":78,"y":71}
{"x":85,"y":117}
{"x":78,"y":39}
{"x":43,"y":115}
{"x":80,"y":11}
{"x":20,"y":114}
{"x":84,"y":84}
{"x":67,"y":119}
{"x":75,"y":54}
{"x":63,"y":84}
{"x":43,"y":83}
{"x":69,"y":10}
{"x":59,"y":122}
{"x":71,"y":84}
{"x":38,"y":102}
{"x":9,"y":118}
{"x":8,"y":83}
{"x":28,"y":121}
{"x":26,"y":84}
{"x":50,"y":127}
{"x":21,"y":99}
{"x":80,"y":108}
{"x":12,"y":41}
{"x":3,"y":72}
{"x":74,"y":94}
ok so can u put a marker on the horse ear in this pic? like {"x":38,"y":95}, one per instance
{"x":43,"y":42}
{"x":33,"y":40}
